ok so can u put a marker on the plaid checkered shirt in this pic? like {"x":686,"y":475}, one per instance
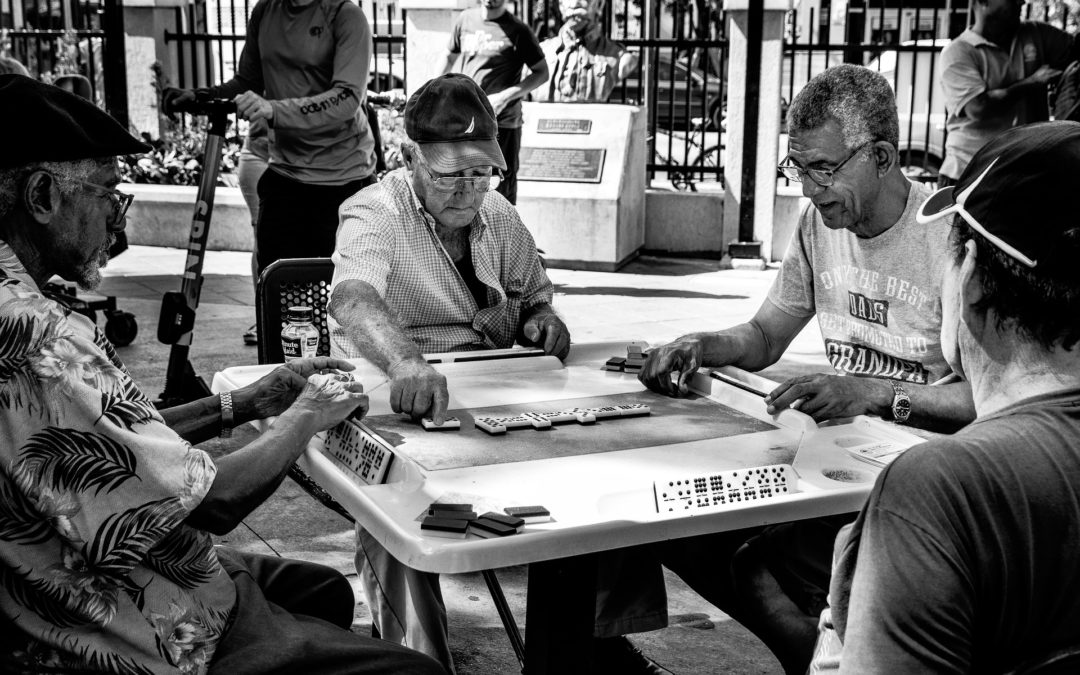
{"x":388,"y":240}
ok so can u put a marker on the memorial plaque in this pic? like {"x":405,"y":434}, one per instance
{"x":563,"y":126}
{"x":563,"y":165}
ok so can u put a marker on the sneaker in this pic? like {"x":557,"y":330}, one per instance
{"x":619,"y":655}
{"x":251,"y":335}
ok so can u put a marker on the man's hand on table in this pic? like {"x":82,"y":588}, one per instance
{"x":825,"y":397}
{"x":681,"y":358}
{"x":272,"y":394}
{"x":546,"y":330}
{"x":418,"y":390}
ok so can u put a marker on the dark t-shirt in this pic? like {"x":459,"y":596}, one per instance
{"x":493,"y":53}
{"x":965,"y":557}
{"x":467,"y":271}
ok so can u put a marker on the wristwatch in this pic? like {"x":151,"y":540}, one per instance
{"x":901,"y":403}
{"x":227,"y":420}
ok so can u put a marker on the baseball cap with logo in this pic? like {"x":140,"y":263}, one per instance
{"x":1019,"y":190}
{"x":43,"y":123}
{"x":453,"y":123}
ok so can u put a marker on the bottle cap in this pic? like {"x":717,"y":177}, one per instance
{"x":300,"y":314}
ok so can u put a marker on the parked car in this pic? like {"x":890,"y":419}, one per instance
{"x":386,"y":72}
{"x":683,"y":92}
{"x":916,"y":79}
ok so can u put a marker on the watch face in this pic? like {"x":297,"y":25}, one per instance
{"x":901,"y":408}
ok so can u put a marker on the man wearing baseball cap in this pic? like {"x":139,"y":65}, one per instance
{"x":963,"y":558}
{"x":106,"y":509}
{"x":432,"y":259}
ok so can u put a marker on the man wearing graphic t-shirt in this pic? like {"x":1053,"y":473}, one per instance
{"x":495,"y":48}
{"x":871,"y":274}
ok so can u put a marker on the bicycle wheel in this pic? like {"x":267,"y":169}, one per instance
{"x":707,"y":165}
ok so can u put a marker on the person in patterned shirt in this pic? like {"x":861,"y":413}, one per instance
{"x":106,"y":508}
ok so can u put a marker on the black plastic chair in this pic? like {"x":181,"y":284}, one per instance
{"x":306,"y":282}
{"x":1064,"y":661}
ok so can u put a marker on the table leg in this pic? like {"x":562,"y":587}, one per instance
{"x":560,"y":616}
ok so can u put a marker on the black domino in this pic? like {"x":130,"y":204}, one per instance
{"x":512,"y":521}
{"x":530,"y":514}
{"x":444,"y":527}
{"x":439,"y":506}
{"x":489,"y":529}
{"x":452,"y":515}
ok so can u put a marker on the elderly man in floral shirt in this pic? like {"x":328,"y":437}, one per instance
{"x":106,"y":509}
{"x":432,"y":259}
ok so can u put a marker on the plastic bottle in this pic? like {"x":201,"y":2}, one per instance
{"x":300,"y":338}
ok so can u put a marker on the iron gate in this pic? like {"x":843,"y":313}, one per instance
{"x":71,"y":38}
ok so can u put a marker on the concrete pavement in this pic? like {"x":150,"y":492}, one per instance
{"x":650,"y":299}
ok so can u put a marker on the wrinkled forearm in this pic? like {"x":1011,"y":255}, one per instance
{"x":197,"y":421}
{"x":371,"y":325}
{"x":744,"y":346}
{"x":247,"y":477}
{"x":943,"y":408}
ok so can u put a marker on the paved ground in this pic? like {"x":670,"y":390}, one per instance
{"x":650,"y":299}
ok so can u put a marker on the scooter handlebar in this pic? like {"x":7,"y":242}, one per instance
{"x":201,"y":104}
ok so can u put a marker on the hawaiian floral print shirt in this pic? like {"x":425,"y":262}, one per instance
{"x":97,"y":567}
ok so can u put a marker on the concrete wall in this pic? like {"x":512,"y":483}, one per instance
{"x":161,"y":216}
{"x":676,"y":223}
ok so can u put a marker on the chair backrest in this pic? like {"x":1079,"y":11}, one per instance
{"x":287,"y":283}
{"x":1064,"y":661}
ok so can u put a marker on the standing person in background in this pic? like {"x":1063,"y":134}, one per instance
{"x":586,"y":64}
{"x":994,"y":77}
{"x":496,"y":48}
{"x":254,"y":157}
{"x":304,"y":72}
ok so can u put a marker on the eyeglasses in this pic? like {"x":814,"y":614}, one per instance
{"x":449,"y":184}
{"x":120,"y":200}
{"x":822,"y":177}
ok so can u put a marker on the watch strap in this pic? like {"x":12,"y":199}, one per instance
{"x":901,"y":403}
{"x":227,"y":419}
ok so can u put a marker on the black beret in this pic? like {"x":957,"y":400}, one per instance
{"x":44,"y":123}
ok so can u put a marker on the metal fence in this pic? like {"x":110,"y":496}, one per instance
{"x":904,"y":44}
{"x":211,"y":36}
{"x":77,"y":41}
{"x":680,"y":78}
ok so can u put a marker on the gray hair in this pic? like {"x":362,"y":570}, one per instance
{"x":67,"y":174}
{"x":857,"y":98}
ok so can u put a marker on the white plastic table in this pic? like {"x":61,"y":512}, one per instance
{"x":599,"y":500}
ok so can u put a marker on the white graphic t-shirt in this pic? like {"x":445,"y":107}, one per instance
{"x":877,"y":300}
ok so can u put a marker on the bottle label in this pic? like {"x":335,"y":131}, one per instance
{"x":310,"y":346}
{"x":291,"y":348}
{"x":299,"y":341}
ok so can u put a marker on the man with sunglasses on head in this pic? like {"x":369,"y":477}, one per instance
{"x":871,"y":274}
{"x":432,"y":259}
{"x":106,"y":508}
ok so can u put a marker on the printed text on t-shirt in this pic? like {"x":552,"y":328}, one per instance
{"x":855,"y":359}
{"x":871,"y":281}
{"x":481,"y":42}
{"x":868,"y":309}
